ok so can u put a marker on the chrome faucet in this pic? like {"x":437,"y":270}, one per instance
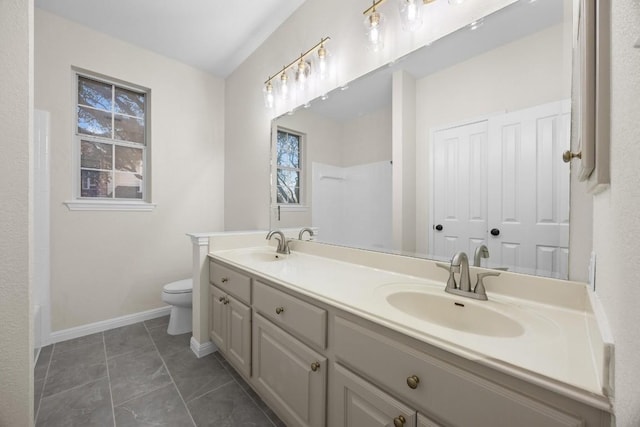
{"x":305,"y":230}
{"x":283,"y":243}
{"x":481,"y":252}
{"x":460,"y":264}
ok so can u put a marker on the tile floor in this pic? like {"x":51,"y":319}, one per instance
{"x":138,"y":375}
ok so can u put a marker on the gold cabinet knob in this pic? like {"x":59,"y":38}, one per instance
{"x":413,"y":381}
{"x":224,"y":279}
{"x":568,"y":155}
{"x":399,"y":421}
{"x":315,"y":366}
{"x":279,"y":310}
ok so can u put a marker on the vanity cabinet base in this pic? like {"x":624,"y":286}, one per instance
{"x":289,"y":374}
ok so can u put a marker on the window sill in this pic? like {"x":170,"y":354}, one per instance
{"x":108,"y":205}
{"x":293,"y":208}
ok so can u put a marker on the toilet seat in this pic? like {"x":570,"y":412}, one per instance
{"x":179,"y":287}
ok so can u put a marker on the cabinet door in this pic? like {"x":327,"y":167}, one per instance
{"x":426,"y":422}
{"x":218,"y":318}
{"x":357,"y":403}
{"x":238,"y":350}
{"x":288,"y":374}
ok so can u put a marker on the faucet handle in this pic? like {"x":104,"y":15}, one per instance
{"x":443,"y":265}
{"x":479,"y":287}
{"x":451,"y":281}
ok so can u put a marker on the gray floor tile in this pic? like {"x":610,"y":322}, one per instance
{"x":194,"y":377}
{"x":128,"y":339}
{"x":168,"y":344}
{"x":158,"y":322}
{"x":135,"y":374}
{"x":218,"y":355}
{"x":42,"y":364}
{"x":162,"y":407}
{"x":76,"y":343}
{"x":86,"y":406}
{"x":75,"y":367}
{"x":37,"y":394}
{"x":236,"y":376}
{"x":227,"y":406}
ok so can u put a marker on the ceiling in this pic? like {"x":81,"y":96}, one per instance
{"x":212,"y":35}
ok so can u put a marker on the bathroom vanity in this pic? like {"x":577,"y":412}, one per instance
{"x":332,"y":336}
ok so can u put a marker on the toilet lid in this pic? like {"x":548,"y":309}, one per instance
{"x":179,"y":287}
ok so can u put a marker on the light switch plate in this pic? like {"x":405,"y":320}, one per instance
{"x":637,"y":43}
{"x":592,"y":271}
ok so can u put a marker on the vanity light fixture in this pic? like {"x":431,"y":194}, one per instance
{"x":269,"y":96}
{"x":302,"y":71}
{"x":410,"y":15}
{"x":374,"y":26}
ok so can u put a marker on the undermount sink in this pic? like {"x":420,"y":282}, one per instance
{"x":455,"y":313}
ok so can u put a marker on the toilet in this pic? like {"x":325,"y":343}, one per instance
{"x":178,"y":296}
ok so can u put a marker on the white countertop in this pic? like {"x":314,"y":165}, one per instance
{"x":554,"y":351}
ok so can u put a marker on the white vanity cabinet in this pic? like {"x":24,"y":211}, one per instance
{"x":317,"y":365}
{"x":443,"y":391}
{"x":287,"y":369}
{"x":358,"y":403}
{"x":289,"y":374}
{"x":230,"y":317}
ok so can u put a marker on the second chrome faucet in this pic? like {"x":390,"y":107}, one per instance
{"x":283,"y":243}
{"x":460,"y":264}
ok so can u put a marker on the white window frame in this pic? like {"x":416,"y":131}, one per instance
{"x":109,"y":204}
{"x":302,"y":202}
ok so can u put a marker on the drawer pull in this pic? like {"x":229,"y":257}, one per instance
{"x":413,"y":381}
{"x":224,"y":279}
{"x":221,"y":299}
{"x":279,"y":310}
{"x":315,"y":366}
{"x":399,"y":421}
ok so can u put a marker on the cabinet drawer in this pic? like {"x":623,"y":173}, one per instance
{"x":306,"y":320}
{"x":230,"y":281}
{"x":451,"y":395}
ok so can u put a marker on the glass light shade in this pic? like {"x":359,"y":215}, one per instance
{"x":303,"y":74}
{"x":374,"y":25}
{"x":269,"y":95}
{"x":410,"y":14}
{"x":322,"y":63}
{"x":284,"y":87}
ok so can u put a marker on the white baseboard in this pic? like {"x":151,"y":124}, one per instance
{"x":204,"y":349}
{"x":105,"y":325}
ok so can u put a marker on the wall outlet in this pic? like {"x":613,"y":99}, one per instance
{"x":592,"y":271}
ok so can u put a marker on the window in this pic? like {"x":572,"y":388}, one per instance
{"x":289,"y":168}
{"x":112,"y":140}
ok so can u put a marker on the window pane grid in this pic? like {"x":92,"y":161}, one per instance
{"x":111,"y":135}
{"x":109,"y":111}
{"x":288,"y":167}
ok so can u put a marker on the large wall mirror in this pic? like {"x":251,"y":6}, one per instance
{"x":455,"y":147}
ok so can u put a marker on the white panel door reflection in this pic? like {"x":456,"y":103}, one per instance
{"x":459,"y":191}
{"x":502,"y":182}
